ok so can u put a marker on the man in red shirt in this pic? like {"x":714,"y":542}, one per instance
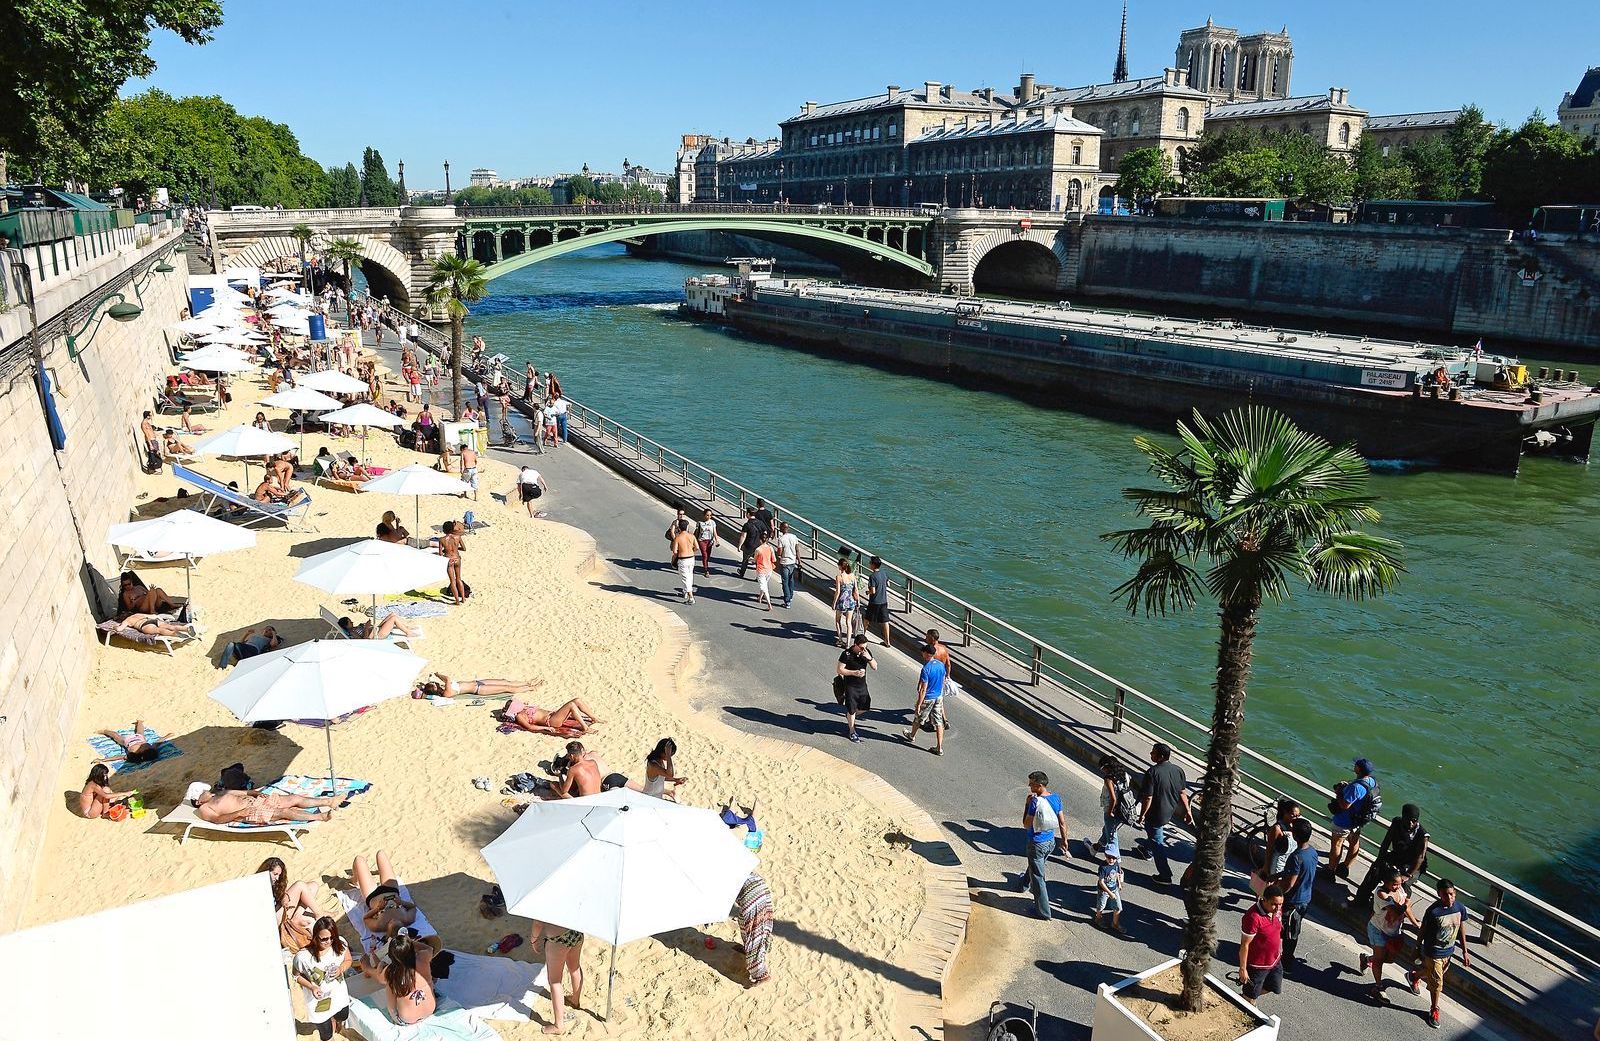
{"x":1261,"y":945}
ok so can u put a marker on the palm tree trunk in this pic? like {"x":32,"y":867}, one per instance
{"x":1216,"y":807}
{"x":349,"y":286}
{"x":455,"y":364}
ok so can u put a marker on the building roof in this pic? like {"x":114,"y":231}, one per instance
{"x":995,"y":128}
{"x":1588,"y":90}
{"x":1145,"y":85}
{"x":1414,"y":120}
{"x":1280,"y":107}
{"x":963,"y":100}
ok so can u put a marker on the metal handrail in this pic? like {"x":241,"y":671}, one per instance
{"x":646,"y":209}
{"x":1042,"y":660}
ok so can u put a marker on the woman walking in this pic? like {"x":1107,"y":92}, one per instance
{"x":562,"y":951}
{"x":844,"y":601}
{"x":851,"y":679}
{"x":1115,"y":792}
{"x":705,"y":532}
{"x":753,"y":908}
{"x":319,"y":968}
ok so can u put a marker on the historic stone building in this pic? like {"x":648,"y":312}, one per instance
{"x":1579,"y":111}
{"x":1393,"y":133}
{"x":1151,"y":112}
{"x":1330,"y":118}
{"x":1027,"y":160}
{"x":1230,"y":67}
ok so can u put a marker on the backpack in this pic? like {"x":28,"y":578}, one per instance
{"x":1363,"y":812}
{"x":1127,"y":808}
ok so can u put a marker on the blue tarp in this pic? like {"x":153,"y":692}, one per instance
{"x":52,"y":418}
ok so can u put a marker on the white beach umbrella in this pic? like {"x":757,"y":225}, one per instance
{"x":234,"y":334}
{"x":197,"y":325}
{"x":372,"y":567}
{"x":306,"y":400}
{"x":321,"y":680}
{"x":416,"y":481}
{"x":183,"y":531}
{"x":364,"y":415}
{"x":243,"y":442}
{"x":332,"y":381}
{"x":620,"y":865}
{"x":231,"y":362}
{"x":43,"y":970}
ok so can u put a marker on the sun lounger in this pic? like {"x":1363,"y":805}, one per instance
{"x":186,"y":816}
{"x":112,"y":627}
{"x":212,"y":493}
{"x":167,"y":405}
{"x":334,"y":631}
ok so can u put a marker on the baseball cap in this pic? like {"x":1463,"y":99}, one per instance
{"x":1365,"y":766}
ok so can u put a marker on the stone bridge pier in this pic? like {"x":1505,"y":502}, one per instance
{"x":1007,"y":251}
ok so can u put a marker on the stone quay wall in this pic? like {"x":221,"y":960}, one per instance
{"x":56,"y":510}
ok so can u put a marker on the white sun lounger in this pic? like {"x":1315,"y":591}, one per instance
{"x":112,"y":627}
{"x":334,"y":632}
{"x":186,"y":816}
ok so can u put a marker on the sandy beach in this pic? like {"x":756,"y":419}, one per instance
{"x":846,"y":899}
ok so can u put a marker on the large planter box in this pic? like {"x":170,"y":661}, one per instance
{"x":1114,"y":1021}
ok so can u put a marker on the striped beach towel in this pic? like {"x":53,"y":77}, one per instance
{"x":104,"y":747}
{"x":317,"y":786}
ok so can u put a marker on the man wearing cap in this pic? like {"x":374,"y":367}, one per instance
{"x":1351,"y":808}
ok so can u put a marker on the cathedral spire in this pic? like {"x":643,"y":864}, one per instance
{"x":1120,"y":73}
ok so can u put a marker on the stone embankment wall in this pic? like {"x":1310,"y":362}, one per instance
{"x":55,"y":512}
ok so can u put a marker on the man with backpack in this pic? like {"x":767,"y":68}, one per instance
{"x":1354,"y":804}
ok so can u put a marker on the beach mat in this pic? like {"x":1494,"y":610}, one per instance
{"x":314,"y":787}
{"x":409,"y":609}
{"x":485,"y":987}
{"x":369,"y":1018}
{"x":103,"y":746}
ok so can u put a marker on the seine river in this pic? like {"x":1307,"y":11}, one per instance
{"x":1472,"y":688}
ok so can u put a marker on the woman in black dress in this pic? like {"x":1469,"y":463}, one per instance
{"x":851,"y":680}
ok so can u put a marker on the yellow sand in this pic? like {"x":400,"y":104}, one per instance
{"x":844,"y":898}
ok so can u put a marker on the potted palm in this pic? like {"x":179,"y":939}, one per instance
{"x":456,"y":282}
{"x":1250,"y":503}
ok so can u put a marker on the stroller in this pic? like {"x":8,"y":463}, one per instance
{"x":1013,"y":1028}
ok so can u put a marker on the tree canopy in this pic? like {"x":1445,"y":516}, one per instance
{"x":344,"y":185}
{"x":581,"y":188}
{"x":63,"y":61}
{"x":1145,"y":173}
{"x":1242,"y":163}
{"x":379,"y":188}
{"x":504,"y":196}
{"x":1537,"y":164}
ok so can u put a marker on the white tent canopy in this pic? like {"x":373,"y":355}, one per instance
{"x":302,"y":397}
{"x":362,"y":414}
{"x":243,"y":442}
{"x":219,"y":360}
{"x":46,"y":999}
{"x":416,"y":481}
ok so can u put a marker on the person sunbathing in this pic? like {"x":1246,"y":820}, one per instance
{"x":408,"y":980}
{"x":384,"y":533}
{"x":135,"y":749}
{"x":159,"y":625}
{"x":297,"y":909}
{"x":584,"y":773}
{"x":282,"y":468}
{"x":342,"y":470}
{"x":574,"y":717}
{"x":190,"y":427}
{"x":270,"y":492}
{"x":97,"y":797}
{"x":438,"y":685}
{"x":383,"y":907}
{"x":229,"y":806}
{"x":392,"y":622}
{"x":135,"y":598}
{"x":250,"y":644}
{"x":174,"y":446}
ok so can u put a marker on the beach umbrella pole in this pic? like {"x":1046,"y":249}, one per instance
{"x":611,"y":981}
{"x":327,"y":731}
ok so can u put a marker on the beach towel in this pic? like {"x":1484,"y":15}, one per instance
{"x":317,"y":786}
{"x":320,"y":723}
{"x":485,"y":987}
{"x":411,"y":609}
{"x":369,"y":1018}
{"x":103,"y":746}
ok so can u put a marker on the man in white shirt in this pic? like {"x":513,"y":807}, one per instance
{"x":530,"y":486}
{"x":788,"y":560}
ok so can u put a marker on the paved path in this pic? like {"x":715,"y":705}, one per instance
{"x":770,"y":674}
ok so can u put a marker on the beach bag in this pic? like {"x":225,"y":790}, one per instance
{"x":838,"y":689}
{"x":235,"y":779}
{"x":294,"y":934}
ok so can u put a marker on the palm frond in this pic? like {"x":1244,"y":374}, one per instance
{"x":1355,"y":564}
{"x":1163,"y":583}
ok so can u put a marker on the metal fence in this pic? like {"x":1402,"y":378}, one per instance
{"x":485,"y":212}
{"x":1505,"y":912}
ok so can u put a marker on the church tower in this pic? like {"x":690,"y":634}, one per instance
{"x":1120,"y":73}
{"x":1231,"y":68}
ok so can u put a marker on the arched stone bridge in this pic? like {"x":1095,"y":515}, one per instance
{"x":950,"y":250}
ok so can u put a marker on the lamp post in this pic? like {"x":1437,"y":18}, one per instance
{"x":780,"y":184}
{"x":869,"y":193}
{"x":447,"y":195}
{"x":946,"y":196}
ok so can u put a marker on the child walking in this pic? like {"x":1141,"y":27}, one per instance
{"x":1110,"y":889}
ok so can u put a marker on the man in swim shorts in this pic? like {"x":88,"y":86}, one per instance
{"x":227,"y":806}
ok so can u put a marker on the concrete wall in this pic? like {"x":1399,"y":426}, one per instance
{"x":49,"y":498}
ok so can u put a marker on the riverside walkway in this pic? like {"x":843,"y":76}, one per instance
{"x":770,"y":675}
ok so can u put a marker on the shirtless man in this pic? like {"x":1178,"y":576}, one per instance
{"x":228,"y":806}
{"x":154,"y":625}
{"x":586,"y":774}
{"x":572,"y":718}
{"x":469,"y":469}
{"x":147,"y":430}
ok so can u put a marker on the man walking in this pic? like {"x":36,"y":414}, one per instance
{"x":1046,"y":826}
{"x":928,"y":713}
{"x":1404,"y":851}
{"x":764,"y":515}
{"x":1297,"y":881}
{"x":877,"y":612}
{"x":788,"y":560}
{"x":1354,"y":803}
{"x":1166,"y":795}
{"x":1443,"y":929}
{"x":469,"y":468}
{"x":685,"y":550}
{"x":1261,"y":945}
{"x":751,"y":534}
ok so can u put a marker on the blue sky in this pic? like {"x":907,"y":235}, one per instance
{"x":537,"y":87}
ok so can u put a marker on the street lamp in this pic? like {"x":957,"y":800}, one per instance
{"x":906,"y":186}
{"x":447,"y":195}
{"x":780,"y":184}
{"x":946,"y":195}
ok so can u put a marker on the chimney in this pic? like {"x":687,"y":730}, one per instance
{"x":930,"y":89}
{"x":947,"y":91}
{"x":894,"y":91}
{"x":988,"y":94}
{"x":1025,"y":88}
{"x":1339,"y":95}
{"x":809,"y":108}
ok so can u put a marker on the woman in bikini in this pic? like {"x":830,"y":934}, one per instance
{"x":408,"y":980}
{"x":441,"y":686}
{"x":296,"y":910}
{"x":572,"y":718}
{"x":562,"y":948}
{"x":155,"y":625}
{"x":97,"y":797}
{"x":135,"y":749}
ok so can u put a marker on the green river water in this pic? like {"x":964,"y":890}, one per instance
{"x":1472,"y":687}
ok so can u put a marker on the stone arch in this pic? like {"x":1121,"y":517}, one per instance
{"x":387,"y":270}
{"x":1032,"y":264}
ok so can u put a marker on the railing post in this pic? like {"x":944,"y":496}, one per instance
{"x":686,"y":473}
{"x":711,"y":485}
{"x":966,"y":627}
{"x":813,"y":542}
{"x":741,"y":502}
{"x":1491,"y":916}
{"x":908,"y":595}
{"x":1117,"y":711}
{"x":1036,"y":667}
{"x":660,"y":464}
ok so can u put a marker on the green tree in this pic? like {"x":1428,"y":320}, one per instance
{"x":456,"y":282}
{"x":581,"y":187}
{"x":1312,"y":171}
{"x":1248,"y":505}
{"x":1468,"y":140}
{"x":503,"y":196}
{"x":302,"y":234}
{"x":344,"y":186}
{"x":1256,"y":174}
{"x":348,"y":252}
{"x":379,"y":187}
{"x":1537,"y":164}
{"x":1378,"y":176}
{"x":63,"y":61}
{"x":1212,"y":148}
{"x":1145,"y":173}
{"x":1433,"y":169}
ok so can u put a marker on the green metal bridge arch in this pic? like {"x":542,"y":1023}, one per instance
{"x":764,"y":224}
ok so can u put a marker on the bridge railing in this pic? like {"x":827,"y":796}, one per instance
{"x":626,"y":209}
{"x":289,"y":218}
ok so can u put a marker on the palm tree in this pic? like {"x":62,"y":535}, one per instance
{"x":456,"y":282}
{"x":303,"y":234}
{"x":348,"y":252}
{"x":1250,"y":503}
